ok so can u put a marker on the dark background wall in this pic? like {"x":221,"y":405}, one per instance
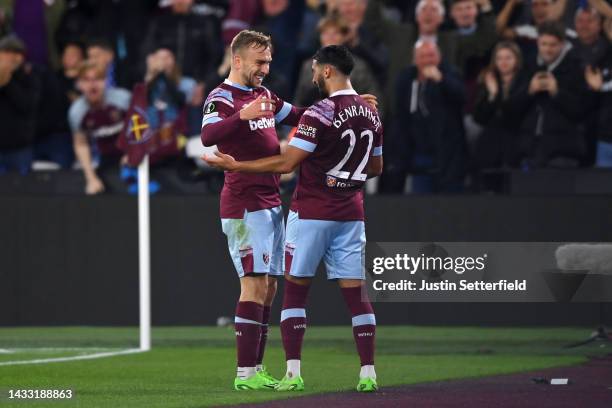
{"x":74,"y":260}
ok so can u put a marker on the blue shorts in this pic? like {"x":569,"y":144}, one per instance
{"x":341,"y":244}
{"x":256,"y":241}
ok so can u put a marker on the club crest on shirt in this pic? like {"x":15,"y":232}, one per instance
{"x":331,"y":181}
{"x":266,"y":258}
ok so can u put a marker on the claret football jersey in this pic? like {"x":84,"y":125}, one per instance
{"x":245,"y":140}
{"x":342,"y":132}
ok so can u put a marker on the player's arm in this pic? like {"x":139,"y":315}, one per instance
{"x":281,"y":163}
{"x":375,"y":163}
{"x":375,"y":166}
{"x":220,"y":121}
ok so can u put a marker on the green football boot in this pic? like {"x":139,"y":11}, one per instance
{"x":367,"y":384}
{"x":264,"y":373}
{"x":256,"y":382}
{"x":290,"y":384}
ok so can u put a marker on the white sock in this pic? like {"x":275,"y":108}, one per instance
{"x":244,"y":373}
{"x":259,"y":367}
{"x":293,"y":368}
{"x":367,"y":371}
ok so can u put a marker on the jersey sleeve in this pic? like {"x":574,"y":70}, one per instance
{"x":285,"y":112}
{"x":377,"y":150}
{"x":220,"y":118}
{"x":312,"y":124}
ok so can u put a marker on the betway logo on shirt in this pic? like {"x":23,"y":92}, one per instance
{"x":262,"y":123}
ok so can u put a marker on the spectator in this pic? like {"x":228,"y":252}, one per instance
{"x":526,"y":34}
{"x":428,"y":138}
{"x":195,"y":40}
{"x":96,"y":119}
{"x":101,"y":52}
{"x":475,"y":35}
{"x":591,"y":46}
{"x":333,"y":30}
{"x":599,"y":79}
{"x":282,"y":20}
{"x":18,"y":99}
{"x":72,"y":57}
{"x":496,"y":108}
{"x":362,"y":41}
{"x":555,"y":102}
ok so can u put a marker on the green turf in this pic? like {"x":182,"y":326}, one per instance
{"x":194,"y":367}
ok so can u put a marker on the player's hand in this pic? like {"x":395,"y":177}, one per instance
{"x":371,"y":100}
{"x":261,"y":107}
{"x":221,"y":161}
{"x":94,"y":186}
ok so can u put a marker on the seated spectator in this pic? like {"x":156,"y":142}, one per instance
{"x":496,"y":109}
{"x":427,"y":137}
{"x":18,"y":99}
{"x":333,"y":30}
{"x":555,"y":103}
{"x":599,"y":79}
{"x":96,"y":119}
{"x":591,"y":45}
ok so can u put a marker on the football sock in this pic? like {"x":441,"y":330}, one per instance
{"x":364,"y":322}
{"x":247,"y":323}
{"x":264,"y":335}
{"x":293,"y":322}
{"x":293,"y":368}
{"x":367,"y":371}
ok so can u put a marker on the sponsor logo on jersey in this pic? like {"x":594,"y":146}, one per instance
{"x":263,"y":123}
{"x":307,"y":130}
{"x":334,"y":182}
{"x":367,"y":334}
{"x":299,"y":326}
{"x":266,"y":258}
{"x":238,"y":333}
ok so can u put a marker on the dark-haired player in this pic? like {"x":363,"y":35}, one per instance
{"x":338,"y":145}
{"x":240,"y":117}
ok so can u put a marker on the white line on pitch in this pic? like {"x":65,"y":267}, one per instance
{"x":55,"y":349}
{"x":73,"y":358}
{"x":6,"y":351}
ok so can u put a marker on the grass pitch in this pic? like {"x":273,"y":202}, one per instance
{"x":195,"y":367}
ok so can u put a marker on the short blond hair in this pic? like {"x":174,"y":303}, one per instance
{"x":89,"y":65}
{"x":249,"y":38}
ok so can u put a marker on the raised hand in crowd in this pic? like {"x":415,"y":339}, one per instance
{"x":491,"y":84}
{"x":593,"y":77}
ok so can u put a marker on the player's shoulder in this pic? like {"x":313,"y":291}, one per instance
{"x":118,"y":97}
{"x":323,"y":111}
{"x":222,"y":95}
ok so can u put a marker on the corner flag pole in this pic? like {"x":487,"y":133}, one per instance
{"x":144,"y":253}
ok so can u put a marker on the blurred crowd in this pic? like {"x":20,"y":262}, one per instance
{"x":467,"y":88}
